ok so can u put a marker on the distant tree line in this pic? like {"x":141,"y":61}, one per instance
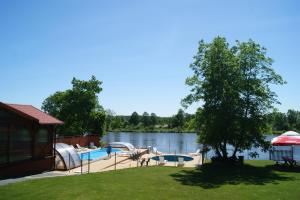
{"x":280,"y":122}
{"x":180,"y":122}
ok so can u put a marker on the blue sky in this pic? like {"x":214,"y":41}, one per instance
{"x":141,"y":50}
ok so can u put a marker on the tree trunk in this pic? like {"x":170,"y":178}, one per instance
{"x":218,"y":152}
{"x":234,"y":152}
{"x":225,"y":147}
{"x":224,"y":152}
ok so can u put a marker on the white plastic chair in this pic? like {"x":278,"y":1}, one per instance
{"x":180,"y":161}
{"x":162,"y":160}
{"x":80,"y":148}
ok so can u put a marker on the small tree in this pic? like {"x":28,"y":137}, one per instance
{"x":146,"y":119}
{"x":234,"y":84}
{"x":134,"y":119}
{"x":109,"y":118}
{"x":97,"y":123}
{"x":293,"y":117}
{"x":153,"y":119}
{"x":118,"y":122}
{"x":178,"y":120}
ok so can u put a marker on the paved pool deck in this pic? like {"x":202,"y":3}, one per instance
{"x":123,"y":162}
{"x":107,"y":164}
{"x":32,"y":177}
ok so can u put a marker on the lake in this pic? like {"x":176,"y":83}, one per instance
{"x":181,"y":143}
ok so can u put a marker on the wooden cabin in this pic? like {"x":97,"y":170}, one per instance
{"x":27,"y":136}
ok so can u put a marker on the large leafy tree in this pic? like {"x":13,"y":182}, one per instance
{"x":78,"y":108}
{"x":234,"y":85}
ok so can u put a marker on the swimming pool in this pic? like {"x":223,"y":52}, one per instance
{"x":97,"y":154}
{"x":173,"y":158}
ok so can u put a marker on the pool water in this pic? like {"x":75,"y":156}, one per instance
{"x":173,"y":158}
{"x":97,"y":154}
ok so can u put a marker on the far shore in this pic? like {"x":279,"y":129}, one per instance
{"x":174,"y":131}
{"x":149,"y":131}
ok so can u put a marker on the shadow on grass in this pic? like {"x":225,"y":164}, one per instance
{"x":213,"y":176}
{"x":285,"y":168}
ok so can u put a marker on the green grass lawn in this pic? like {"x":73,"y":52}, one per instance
{"x":256,"y":180}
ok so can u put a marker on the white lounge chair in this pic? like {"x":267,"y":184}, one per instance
{"x":180,"y":162}
{"x":80,"y":148}
{"x":197,"y":153}
{"x":154,"y":151}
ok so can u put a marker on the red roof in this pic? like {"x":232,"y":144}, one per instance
{"x":31,"y":112}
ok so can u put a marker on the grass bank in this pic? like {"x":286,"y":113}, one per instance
{"x":256,"y":180}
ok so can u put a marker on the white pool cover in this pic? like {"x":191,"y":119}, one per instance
{"x":68,"y":154}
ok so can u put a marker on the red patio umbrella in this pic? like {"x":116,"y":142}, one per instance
{"x":287,"y":139}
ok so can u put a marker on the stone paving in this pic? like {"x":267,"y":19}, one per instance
{"x":124,"y":162}
{"x":31,"y":177}
{"x":107,"y":164}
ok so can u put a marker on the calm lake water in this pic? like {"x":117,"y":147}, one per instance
{"x":172,"y":142}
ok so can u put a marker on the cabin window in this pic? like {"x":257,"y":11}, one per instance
{"x":3,"y":114}
{"x":3,"y":144}
{"x":20,"y":144}
{"x":42,"y":136}
{"x":43,"y":146}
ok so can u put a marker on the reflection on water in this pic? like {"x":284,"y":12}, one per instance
{"x":172,"y":142}
{"x":116,"y":137}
